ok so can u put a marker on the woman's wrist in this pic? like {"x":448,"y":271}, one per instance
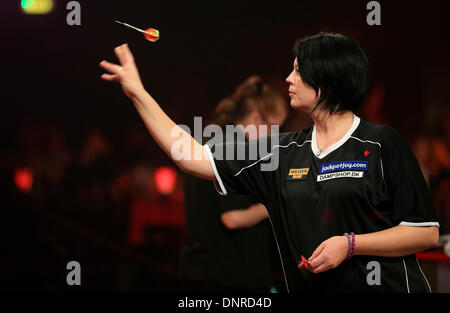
{"x":139,"y":95}
{"x":351,"y":244}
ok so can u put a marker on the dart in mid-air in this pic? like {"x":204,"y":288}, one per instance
{"x":150,"y":34}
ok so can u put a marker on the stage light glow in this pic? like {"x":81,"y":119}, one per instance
{"x":26,"y":4}
{"x":23,"y":178}
{"x":165,"y":179}
{"x":37,"y":6}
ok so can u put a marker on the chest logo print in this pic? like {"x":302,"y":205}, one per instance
{"x":343,"y":169}
{"x":297,"y":173}
{"x":366,"y":153}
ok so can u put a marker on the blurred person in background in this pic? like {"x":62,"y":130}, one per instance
{"x":229,"y":244}
{"x":88,"y":181}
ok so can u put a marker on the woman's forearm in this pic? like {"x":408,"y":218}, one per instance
{"x":397,"y":241}
{"x":245,"y":218}
{"x":193,"y":158}
{"x":166,"y":133}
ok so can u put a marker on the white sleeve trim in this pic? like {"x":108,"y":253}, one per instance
{"x":420,"y":224}
{"x":222,"y":191}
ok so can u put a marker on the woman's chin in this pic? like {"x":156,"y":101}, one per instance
{"x":300,"y":107}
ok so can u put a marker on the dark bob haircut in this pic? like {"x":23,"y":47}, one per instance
{"x":335,"y":65}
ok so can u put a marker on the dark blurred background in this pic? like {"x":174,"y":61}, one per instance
{"x":81,"y":178}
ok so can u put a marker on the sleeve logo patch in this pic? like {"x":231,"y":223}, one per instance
{"x":298,"y":173}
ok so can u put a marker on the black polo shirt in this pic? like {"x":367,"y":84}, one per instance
{"x":367,"y":182}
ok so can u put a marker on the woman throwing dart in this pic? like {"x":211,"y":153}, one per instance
{"x":347,"y":194}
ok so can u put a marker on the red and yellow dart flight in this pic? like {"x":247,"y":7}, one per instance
{"x":150,"y":34}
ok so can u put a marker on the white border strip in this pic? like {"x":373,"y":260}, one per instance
{"x":270,"y":154}
{"x":372,"y":142}
{"x":222,"y":191}
{"x":420,"y":224}
{"x":248,"y":166}
{"x":420,"y":268}
{"x":347,"y":135}
{"x":406,"y":273}
{"x":279,"y":253}
{"x":279,"y":146}
{"x":382,"y":174}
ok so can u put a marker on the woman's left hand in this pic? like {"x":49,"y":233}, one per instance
{"x":329,"y":254}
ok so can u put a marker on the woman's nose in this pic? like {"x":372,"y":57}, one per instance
{"x":287,"y":79}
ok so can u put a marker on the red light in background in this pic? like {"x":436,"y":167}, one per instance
{"x":23,"y":178}
{"x":165,"y":179}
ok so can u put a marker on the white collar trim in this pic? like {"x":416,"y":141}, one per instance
{"x":336,"y":145}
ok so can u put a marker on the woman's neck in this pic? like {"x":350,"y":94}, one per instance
{"x":331,"y":124}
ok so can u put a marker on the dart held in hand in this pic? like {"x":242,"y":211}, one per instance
{"x":150,"y":34}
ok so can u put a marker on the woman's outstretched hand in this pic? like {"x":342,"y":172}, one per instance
{"x":126,"y":73}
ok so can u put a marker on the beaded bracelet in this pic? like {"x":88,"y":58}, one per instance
{"x":351,"y":244}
